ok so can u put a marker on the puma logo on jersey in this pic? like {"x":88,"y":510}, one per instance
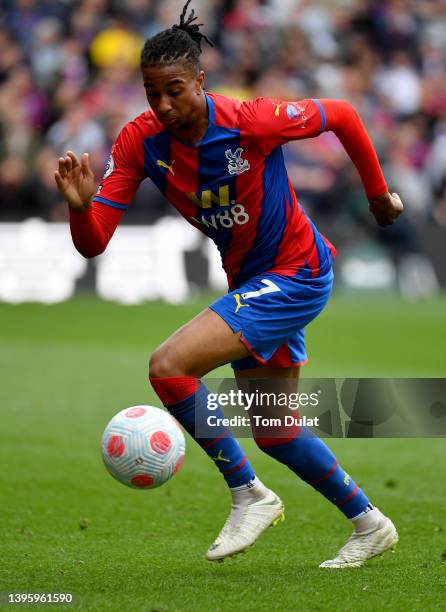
{"x":277,"y":105}
{"x":239,"y":304}
{"x":220,"y":457}
{"x":163,"y":164}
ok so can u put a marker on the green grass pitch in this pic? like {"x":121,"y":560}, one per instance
{"x":66,"y":525}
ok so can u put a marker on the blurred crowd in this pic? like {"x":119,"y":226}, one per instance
{"x":69,"y":78}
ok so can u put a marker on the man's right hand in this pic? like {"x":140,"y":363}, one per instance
{"x":75,"y":181}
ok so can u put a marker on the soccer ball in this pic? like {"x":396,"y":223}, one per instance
{"x":143,"y":447}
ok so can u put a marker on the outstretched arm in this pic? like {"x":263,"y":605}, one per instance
{"x":91,"y":224}
{"x":344,"y":121}
{"x":275,"y":122}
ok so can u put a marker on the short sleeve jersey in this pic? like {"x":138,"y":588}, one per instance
{"x":232,"y":185}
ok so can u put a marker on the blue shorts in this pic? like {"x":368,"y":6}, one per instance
{"x":271,"y":312}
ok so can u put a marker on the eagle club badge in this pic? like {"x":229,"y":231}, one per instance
{"x":236,"y":165}
{"x":109,"y":167}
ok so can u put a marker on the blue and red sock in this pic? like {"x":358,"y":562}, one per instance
{"x":310,"y":458}
{"x":185,"y":397}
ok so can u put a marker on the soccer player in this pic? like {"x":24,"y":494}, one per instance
{"x":220,"y":163}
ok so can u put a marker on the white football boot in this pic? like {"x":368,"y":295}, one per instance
{"x":364,"y":545}
{"x":252,"y":511}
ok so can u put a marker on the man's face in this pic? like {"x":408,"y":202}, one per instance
{"x":174,"y":93}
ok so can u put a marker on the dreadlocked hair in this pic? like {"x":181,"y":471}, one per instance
{"x":180,"y":42}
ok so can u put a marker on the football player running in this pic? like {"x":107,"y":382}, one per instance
{"x":220,"y":163}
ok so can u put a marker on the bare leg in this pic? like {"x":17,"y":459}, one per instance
{"x":175,"y":369}
{"x":198,"y":347}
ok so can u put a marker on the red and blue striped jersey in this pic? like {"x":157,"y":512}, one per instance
{"x":232,"y":185}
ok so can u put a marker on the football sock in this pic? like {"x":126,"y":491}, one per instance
{"x":308,"y":457}
{"x":367,"y":521}
{"x":255,"y":482}
{"x":244,"y":496}
{"x":185,"y":397}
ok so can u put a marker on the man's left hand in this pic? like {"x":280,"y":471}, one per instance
{"x":386,"y":208}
